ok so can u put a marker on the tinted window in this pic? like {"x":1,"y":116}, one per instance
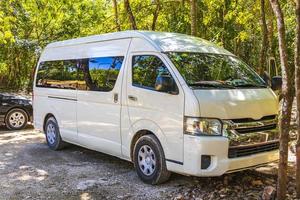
{"x":146,"y":70}
{"x":215,"y":71}
{"x":99,"y":74}
{"x":57,"y":74}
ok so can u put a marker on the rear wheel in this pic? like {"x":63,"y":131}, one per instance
{"x":149,"y":160}
{"x":16,"y":119}
{"x":52,"y":133}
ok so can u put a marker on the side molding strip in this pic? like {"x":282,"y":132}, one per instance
{"x":63,"y":98}
{"x":175,"y":161}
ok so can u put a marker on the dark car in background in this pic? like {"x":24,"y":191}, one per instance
{"x":15,"y":111}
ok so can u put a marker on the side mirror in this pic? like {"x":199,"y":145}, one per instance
{"x":276,"y":83}
{"x":267,"y":78}
{"x":165,"y":83}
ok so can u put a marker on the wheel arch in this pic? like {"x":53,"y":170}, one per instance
{"x":47,"y":116}
{"x":147,"y":127}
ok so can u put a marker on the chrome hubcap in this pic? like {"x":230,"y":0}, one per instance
{"x":17,"y":119}
{"x":51,"y":136}
{"x":146,"y":160}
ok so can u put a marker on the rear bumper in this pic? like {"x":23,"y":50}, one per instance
{"x":217,"y":149}
{"x":30,"y":118}
{"x":29,"y":112}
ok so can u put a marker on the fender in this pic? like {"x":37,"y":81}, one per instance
{"x":52,"y":111}
{"x":148,"y":125}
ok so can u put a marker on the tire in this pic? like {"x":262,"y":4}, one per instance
{"x":16,"y":119}
{"x":149,"y":160}
{"x":52,"y":134}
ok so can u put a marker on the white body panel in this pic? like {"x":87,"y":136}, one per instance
{"x":228,"y":104}
{"x":95,"y":120}
{"x":61,"y":103}
{"x":98,"y":114}
{"x":162,"y":111}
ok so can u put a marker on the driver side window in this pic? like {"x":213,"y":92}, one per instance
{"x":148,"y":71}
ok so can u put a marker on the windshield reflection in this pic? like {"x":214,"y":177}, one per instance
{"x":215,"y":71}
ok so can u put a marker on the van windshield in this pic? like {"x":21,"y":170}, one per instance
{"x":215,"y":71}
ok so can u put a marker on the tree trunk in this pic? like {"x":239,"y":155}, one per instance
{"x":297,"y":84}
{"x":223,"y":13}
{"x":155,"y":15}
{"x":271,"y":36}
{"x":130,"y":14}
{"x":264,"y":46}
{"x":287,"y":99}
{"x":193,"y":13}
{"x":115,"y":6}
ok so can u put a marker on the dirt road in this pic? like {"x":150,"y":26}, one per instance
{"x":29,"y":170}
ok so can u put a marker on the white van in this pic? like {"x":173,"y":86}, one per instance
{"x":166,"y":102}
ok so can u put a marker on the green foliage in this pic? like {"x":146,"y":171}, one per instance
{"x":27,"y":26}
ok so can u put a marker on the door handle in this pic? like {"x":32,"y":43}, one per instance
{"x":116,"y":97}
{"x":132,"y":98}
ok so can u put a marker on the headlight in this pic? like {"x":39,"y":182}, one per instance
{"x":202,"y":126}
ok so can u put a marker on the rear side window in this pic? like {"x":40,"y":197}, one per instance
{"x":99,"y":74}
{"x":146,"y":69}
{"x":57,"y":74}
{"x":94,"y":74}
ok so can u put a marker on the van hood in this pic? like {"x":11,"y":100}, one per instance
{"x":237,"y":103}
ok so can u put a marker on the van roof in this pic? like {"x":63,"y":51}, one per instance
{"x":161,"y":41}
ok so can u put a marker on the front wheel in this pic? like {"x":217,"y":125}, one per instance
{"x":149,"y":160}
{"x":52,"y":133}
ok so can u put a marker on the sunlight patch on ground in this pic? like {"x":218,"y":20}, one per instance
{"x":29,"y":173}
{"x":18,"y":136}
{"x":3,"y":165}
{"x":83,"y":185}
{"x":85,"y":196}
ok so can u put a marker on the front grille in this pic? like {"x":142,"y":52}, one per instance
{"x":245,"y":120}
{"x":248,"y":125}
{"x":239,"y":151}
{"x":255,"y":129}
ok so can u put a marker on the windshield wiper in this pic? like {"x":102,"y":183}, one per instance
{"x":210,"y":85}
{"x":250,"y":85}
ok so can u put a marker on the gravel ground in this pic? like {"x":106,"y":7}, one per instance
{"x":29,"y":170}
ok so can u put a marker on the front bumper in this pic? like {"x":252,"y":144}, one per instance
{"x":217,"y":148}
